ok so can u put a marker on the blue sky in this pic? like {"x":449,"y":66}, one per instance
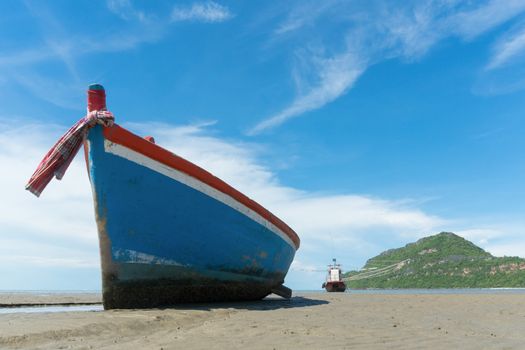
{"x":364,"y":125}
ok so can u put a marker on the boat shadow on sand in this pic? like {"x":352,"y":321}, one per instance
{"x":269,"y":303}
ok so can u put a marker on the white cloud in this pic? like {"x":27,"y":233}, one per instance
{"x":21,"y":251}
{"x":480,"y":236}
{"x":379,"y":32}
{"x":510,"y":47}
{"x":19,"y":67}
{"x":298,"y":265}
{"x":335,"y":76}
{"x":471,"y":22}
{"x":60,"y":93}
{"x":202,"y":12}
{"x":62,"y":44}
{"x":26,"y":57}
{"x":507,"y":249}
{"x":56,"y":230}
{"x":498,"y":238}
{"x":125,"y":10}
{"x":301,"y":16}
{"x":75,"y":46}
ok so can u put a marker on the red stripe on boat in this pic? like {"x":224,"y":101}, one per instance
{"x":127,"y":139}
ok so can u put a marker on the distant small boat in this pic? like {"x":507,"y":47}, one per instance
{"x":334,"y":281}
{"x":169,"y":231}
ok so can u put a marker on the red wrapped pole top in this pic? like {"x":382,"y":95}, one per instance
{"x":96,"y":99}
{"x":57,"y":160}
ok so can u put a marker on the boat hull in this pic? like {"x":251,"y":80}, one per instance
{"x":334,"y":286}
{"x":167,"y":237}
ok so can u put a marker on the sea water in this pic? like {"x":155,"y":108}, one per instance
{"x":54,"y":308}
{"x":49,"y":308}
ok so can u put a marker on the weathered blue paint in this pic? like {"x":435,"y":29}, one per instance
{"x":154,"y":228}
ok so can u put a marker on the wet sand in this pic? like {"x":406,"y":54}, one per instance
{"x":18,"y":299}
{"x":307,"y":321}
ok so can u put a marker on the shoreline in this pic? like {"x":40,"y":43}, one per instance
{"x":13,"y":299}
{"x":26,"y":305}
{"x":43,"y":299}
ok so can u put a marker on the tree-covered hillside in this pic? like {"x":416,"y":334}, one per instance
{"x":445,"y":260}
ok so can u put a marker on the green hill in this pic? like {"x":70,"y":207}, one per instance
{"x":445,"y":260}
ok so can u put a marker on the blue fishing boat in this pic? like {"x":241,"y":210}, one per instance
{"x":170,"y":232}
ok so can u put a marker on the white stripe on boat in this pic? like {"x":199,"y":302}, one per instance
{"x":138,"y":158}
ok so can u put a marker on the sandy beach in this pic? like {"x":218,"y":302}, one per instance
{"x":307,"y":321}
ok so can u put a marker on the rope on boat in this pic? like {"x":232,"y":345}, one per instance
{"x":58,"y":158}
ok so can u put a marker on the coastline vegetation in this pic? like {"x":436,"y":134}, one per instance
{"x":445,"y":260}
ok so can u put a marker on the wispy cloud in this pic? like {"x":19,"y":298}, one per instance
{"x":22,"y":251}
{"x":75,"y":46}
{"x":380,"y":32}
{"x":53,"y":34}
{"x":471,"y":21}
{"x":303,"y":15}
{"x":499,"y":239}
{"x":125,"y":10}
{"x":59,"y":93}
{"x":335,"y":76}
{"x":488,"y":133}
{"x":22,"y":67}
{"x":57,"y":43}
{"x":508,"y":48}
{"x":56,"y":230}
{"x":26,"y":57}
{"x":201,"y":12}
{"x":510,"y":249}
{"x":60,"y":44}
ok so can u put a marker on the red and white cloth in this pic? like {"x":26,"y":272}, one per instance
{"x":57,"y":160}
